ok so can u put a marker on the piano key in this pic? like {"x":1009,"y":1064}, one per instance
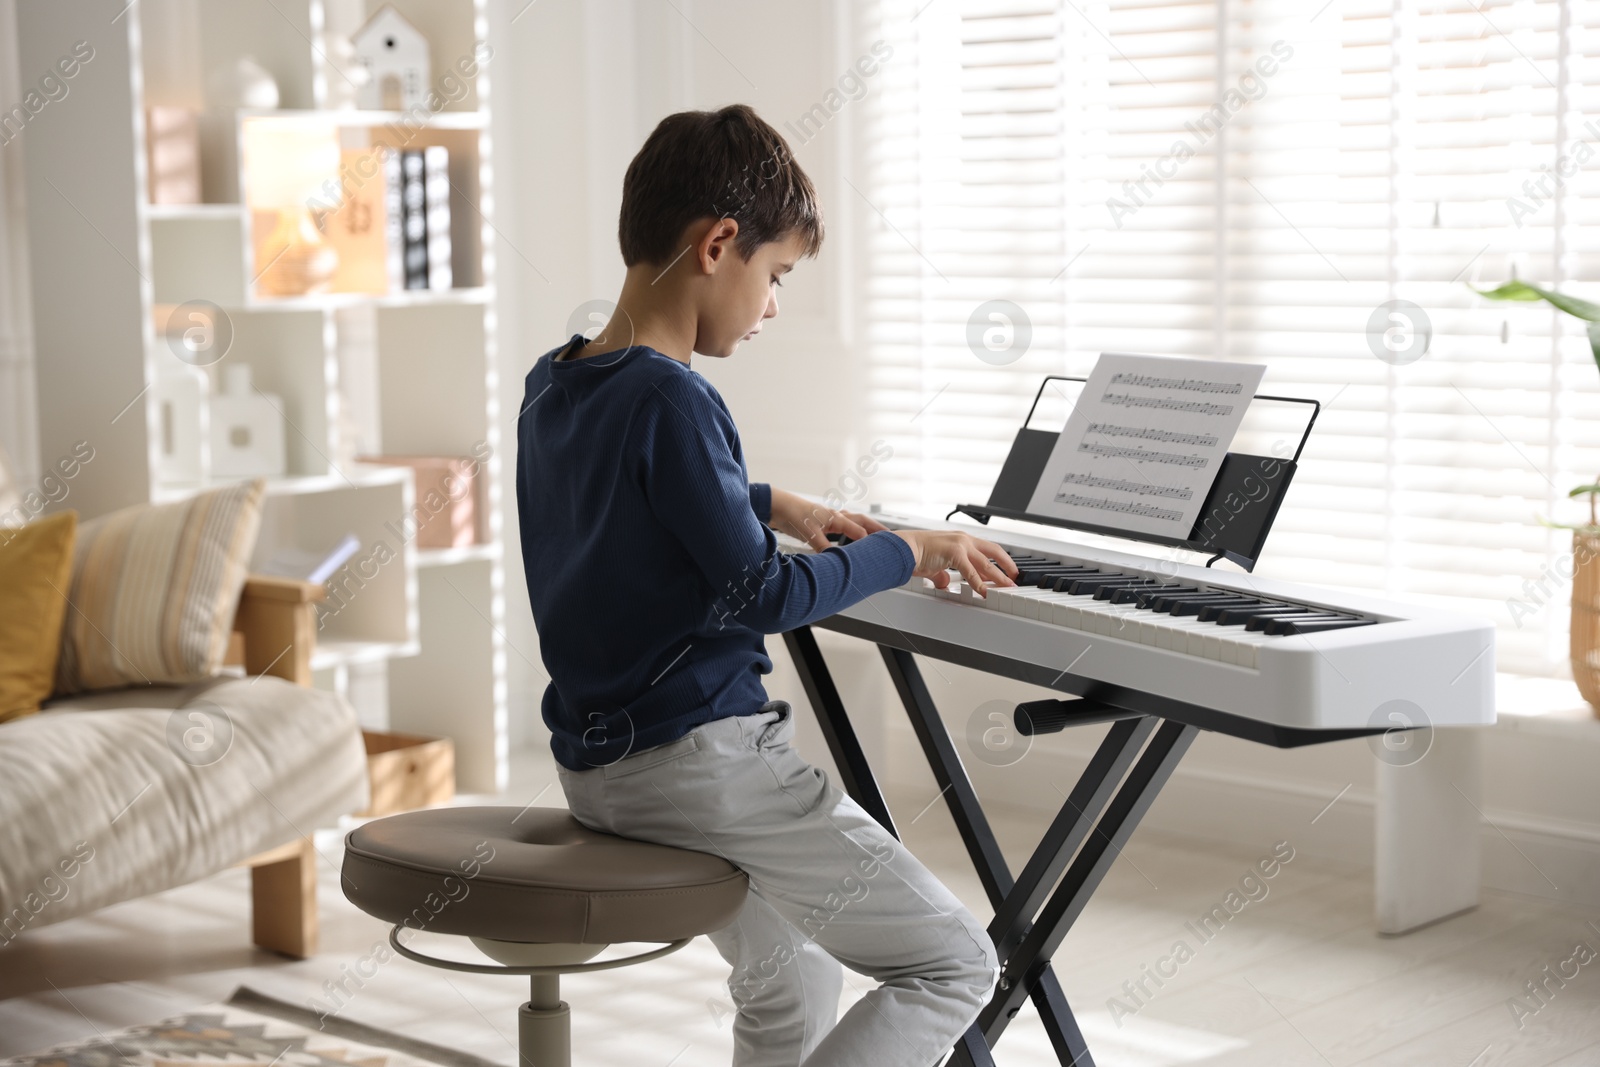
{"x":1178,"y":592}
{"x":1166,"y":603}
{"x":1193,"y":606}
{"x":1290,"y":627}
{"x":1259,"y":623}
{"x":1149,"y":598}
{"x":1111,"y":589}
{"x":1088,"y":586}
{"x":1045,"y":575}
{"x":1238,"y":616}
{"x":1060,"y":584}
{"x":1198,"y":605}
{"x":1135,"y":594}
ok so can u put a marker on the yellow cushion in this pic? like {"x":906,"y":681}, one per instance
{"x":155,"y":588}
{"x":35,"y":569}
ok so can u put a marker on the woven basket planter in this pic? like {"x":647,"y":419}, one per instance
{"x":1585,"y":648}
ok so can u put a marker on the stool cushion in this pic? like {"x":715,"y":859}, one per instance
{"x":534,"y":874}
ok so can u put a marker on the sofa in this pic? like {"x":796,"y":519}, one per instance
{"x":109,"y":794}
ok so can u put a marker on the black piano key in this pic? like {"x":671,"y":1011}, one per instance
{"x":1036,"y":575}
{"x":1197,"y":606}
{"x":1125,"y":594}
{"x":1109,"y":589}
{"x":1060,"y":584}
{"x":1164,"y":598}
{"x":1147,"y":598}
{"x":1240,"y":616}
{"x":1209,"y":612}
{"x":1287,"y":627}
{"x":1258,"y":623}
{"x":1085,"y":586}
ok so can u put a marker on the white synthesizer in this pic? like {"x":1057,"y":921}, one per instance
{"x":1281,"y":653}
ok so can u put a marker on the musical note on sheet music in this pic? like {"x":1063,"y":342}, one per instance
{"x":1145,"y":429}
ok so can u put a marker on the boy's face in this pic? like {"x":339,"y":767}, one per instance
{"x":741,"y":294}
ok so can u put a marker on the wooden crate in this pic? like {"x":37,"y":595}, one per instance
{"x":407,"y":771}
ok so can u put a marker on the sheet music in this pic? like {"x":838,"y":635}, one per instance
{"x":1143,"y":444}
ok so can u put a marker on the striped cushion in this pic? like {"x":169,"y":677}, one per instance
{"x":155,"y":588}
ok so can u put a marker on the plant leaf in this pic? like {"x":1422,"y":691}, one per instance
{"x":1512,"y":290}
{"x":1594,"y":341}
{"x":1583,"y":490}
{"x":1582,"y":309}
{"x":1515,"y":290}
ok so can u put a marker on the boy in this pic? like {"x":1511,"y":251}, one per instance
{"x":653,"y":572}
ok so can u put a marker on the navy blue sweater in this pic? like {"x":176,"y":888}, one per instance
{"x":651,"y":571}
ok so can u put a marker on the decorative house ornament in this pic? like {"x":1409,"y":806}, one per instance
{"x":394,"y":55}
{"x":246,"y":429}
{"x":181,"y":398}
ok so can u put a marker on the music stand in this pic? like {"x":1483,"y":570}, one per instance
{"x":1234,"y":520}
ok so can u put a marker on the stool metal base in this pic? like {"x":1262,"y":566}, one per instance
{"x":484,"y":968}
{"x":544,"y":1023}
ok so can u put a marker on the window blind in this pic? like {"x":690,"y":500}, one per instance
{"x":1253,"y":180}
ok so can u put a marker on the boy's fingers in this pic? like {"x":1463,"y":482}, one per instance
{"x":817,"y":539}
{"x":996,"y":575}
{"x":868,"y":523}
{"x":846,"y":524}
{"x":998,"y":554}
{"x":974,"y":577}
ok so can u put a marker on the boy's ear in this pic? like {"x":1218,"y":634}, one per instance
{"x":716,"y":243}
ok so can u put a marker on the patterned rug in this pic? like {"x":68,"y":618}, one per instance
{"x":250,"y":1030}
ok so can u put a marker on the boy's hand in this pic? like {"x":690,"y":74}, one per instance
{"x":940,"y":551}
{"x":810,"y":522}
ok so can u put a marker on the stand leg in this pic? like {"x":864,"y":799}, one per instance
{"x":1032,"y":957}
{"x":949,"y":774}
{"x":854,"y":773}
{"x":1013,"y":908}
{"x":544,"y":1025}
{"x":1069,"y":828}
{"x":972,"y":1050}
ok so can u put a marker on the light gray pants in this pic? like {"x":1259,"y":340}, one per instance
{"x":828,"y":885}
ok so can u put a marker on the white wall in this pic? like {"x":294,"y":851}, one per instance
{"x":19,"y":434}
{"x":578,"y":89}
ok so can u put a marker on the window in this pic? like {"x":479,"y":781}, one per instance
{"x":1254,"y":181}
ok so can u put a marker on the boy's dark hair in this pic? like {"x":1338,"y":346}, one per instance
{"x":715,"y":164}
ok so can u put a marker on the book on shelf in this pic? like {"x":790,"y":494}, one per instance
{"x":394,"y":231}
{"x":436,"y":194}
{"x":414,"y":202}
{"x":310,"y":566}
{"x":356,"y":227}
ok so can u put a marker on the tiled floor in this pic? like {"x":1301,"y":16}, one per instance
{"x":1295,"y":977}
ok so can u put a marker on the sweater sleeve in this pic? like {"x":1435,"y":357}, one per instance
{"x":761,"y":500}
{"x":697,"y":487}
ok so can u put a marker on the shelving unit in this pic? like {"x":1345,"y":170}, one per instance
{"x":412,"y":636}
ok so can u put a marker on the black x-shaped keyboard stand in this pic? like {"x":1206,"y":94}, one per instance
{"x":1148,"y":736}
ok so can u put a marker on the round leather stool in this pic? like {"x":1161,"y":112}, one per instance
{"x":539,"y":893}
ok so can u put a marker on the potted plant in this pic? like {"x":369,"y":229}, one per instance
{"x":1585,"y":644}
